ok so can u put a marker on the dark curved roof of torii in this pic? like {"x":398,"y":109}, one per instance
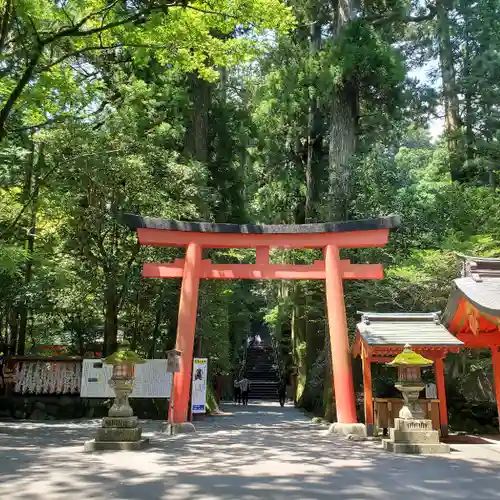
{"x":137,"y":222}
{"x":479,"y":284}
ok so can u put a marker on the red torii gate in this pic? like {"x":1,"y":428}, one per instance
{"x":195,"y":236}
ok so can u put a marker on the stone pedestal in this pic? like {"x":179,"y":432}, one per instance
{"x":179,"y":428}
{"x":347,"y":429}
{"x":117,"y":433}
{"x":414,"y":436}
{"x":120,"y":430}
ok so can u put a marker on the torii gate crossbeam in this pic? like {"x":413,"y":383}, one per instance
{"x":328,"y":236}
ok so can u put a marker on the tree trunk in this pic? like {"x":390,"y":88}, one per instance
{"x":450,"y":94}
{"x":469,"y":116}
{"x":196,"y":140}
{"x":329,"y":410}
{"x":343,"y":126}
{"x":298,"y":338}
{"x":13,"y":322}
{"x":111,"y":300}
{"x":158,"y":318}
{"x":342,"y":147}
{"x":30,"y":192}
{"x":135,"y":331}
{"x":314,"y":135}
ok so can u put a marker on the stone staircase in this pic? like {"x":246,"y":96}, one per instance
{"x":261,"y":373}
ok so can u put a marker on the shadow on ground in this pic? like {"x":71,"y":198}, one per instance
{"x":260,"y":452}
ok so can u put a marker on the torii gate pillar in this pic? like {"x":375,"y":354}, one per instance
{"x":328,"y":236}
{"x":339,"y":340}
{"x":186,"y":326}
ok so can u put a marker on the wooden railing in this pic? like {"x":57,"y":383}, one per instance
{"x":387,"y":409}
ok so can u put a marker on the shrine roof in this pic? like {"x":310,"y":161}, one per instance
{"x":395,"y":329}
{"x":138,"y":222}
{"x":479,"y":284}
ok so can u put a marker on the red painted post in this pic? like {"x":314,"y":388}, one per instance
{"x":495,"y":359}
{"x":186,"y":324}
{"x":441,"y":393}
{"x":339,"y":341}
{"x":368,"y":393}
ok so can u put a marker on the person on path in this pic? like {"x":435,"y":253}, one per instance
{"x":258,"y":340}
{"x":237,"y":391}
{"x":282,"y":392}
{"x":245,"y":387}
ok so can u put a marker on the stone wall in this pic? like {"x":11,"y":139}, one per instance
{"x":49,"y":407}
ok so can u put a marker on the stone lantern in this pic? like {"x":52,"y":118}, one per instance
{"x":120,"y":429}
{"x":412,"y":432}
{"x":409,"y":364}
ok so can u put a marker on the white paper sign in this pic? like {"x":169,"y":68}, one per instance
{"x":151,"y":379}
{"x":199,"y":386}
{"x":430,"y":391}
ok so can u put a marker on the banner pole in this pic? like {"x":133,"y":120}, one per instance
{"x":171,"y":413}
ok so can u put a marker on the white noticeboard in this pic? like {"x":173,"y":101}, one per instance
{"x":151,"y":379}
{"x":199,"y":386}
{"x":430,"y":391}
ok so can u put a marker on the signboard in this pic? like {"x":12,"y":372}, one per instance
{"x":199,"y":386}
{"x":173,"y":361}
{"x":430,"y":391}
{"x":151,"y":380}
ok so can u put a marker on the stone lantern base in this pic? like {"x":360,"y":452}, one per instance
{"x":179,"y":428}
{"x":414,"y":436}
{"x":118,"y":433}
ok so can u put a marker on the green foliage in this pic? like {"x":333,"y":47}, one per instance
{"x":70,"y":47}
{"x":124,"y":355}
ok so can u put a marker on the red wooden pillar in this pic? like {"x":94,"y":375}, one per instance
{"x":441,"y":393}
{"x":186,"y":325}
{"x":495,"y":360}
{"x":339,"y":341}
{"x":368,"y":392}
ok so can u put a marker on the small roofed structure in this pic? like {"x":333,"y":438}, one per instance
{"x":381,"y":336}
{"x":473,"y":309}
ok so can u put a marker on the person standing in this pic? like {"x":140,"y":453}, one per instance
{"x":282,"y":392}
{"x":245,"y":387}
{"x":237,"y":391}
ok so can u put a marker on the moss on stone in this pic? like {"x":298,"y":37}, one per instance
{"x":410,"y":358}
{"x":124,"y":355}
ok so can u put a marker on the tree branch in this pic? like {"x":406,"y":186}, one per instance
{"x":140,"y":16}
{"x":212,"y":12}
{"x":4,"y":30}
{"x":27,"y":204}
{"x":79,"y":52}
{"x":398,"y":17}
{"x":62,"y":118}
{"x":18,"y":90}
